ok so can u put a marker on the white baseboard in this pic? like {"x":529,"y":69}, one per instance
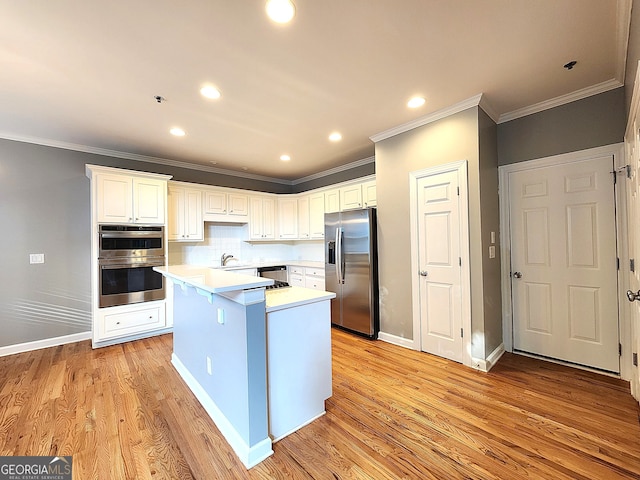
{"x":45,"y":343}
{"x":249,"y":456}
{"x":395,"y":340}
{"x":489,"y":363}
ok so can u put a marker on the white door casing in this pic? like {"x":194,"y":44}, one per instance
{"x":563,"y":262}
{"x":440,"y":266}
{"x":632,"y":147}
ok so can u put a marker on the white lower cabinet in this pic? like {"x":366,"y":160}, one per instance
{"x":307,"y":277}
{"x":128,"y":320}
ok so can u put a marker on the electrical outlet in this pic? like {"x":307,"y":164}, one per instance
{"x":209,"y":366}
{"x":492,"y":251}
{"x":36,"y":258}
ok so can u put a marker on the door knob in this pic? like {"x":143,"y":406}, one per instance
{"x":423,"y":273}
{"x":517,"y":274}
{"x":633,"y":296}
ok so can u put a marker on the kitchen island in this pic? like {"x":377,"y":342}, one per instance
{"x":258,"y":361}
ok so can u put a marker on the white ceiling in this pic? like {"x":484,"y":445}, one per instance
{"x":85,"y":72}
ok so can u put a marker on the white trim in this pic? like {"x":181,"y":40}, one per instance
{"x":635,"y":105}
{"x":249,"y":456}
{"x":561,"y":100}
{"x":45,"y":343}
{"x":490,"y":362}
{"x":615,"y":150}
{"x":331,"y":171}
{"x":430,"y":118}
{"x":465,"y":275}
{"x":176,"y":163}
{"x":623,"y":24}
{"x":399,"y":341}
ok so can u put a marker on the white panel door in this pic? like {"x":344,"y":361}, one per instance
{"x":563,"y":263}
{"x":439,"y":263}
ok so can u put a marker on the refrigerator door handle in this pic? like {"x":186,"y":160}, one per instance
{"x":338,"y":256}
{"x":342,"y":259}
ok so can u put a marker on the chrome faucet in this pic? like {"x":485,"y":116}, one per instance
{"x":225,"y":258}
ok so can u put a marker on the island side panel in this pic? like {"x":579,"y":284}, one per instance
{"x":299,"y":366}
{"x":198,"y":335}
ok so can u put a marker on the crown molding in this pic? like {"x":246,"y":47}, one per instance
{"x":561,"y":100}
{"x":623,"y":24}
{"x":634,"y":110}
{"x":488,"y":109}
{"x":331,"y":171}
{"x":140,"y":158}
{"x":430,"y":118}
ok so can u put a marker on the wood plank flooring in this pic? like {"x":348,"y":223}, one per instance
{"x":124,"y":413}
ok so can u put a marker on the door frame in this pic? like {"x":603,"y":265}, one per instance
{"x":465,"y":272}
{"x":624,"y":325}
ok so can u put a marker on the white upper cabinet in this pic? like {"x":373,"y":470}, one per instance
{"x":369,"y":198}
{"x":185,"y":214}
{"x":316,"y":215}
{"x":287,"y":217}
{"x":304,"y":217}
{"x":262,"y":221}
{"x":130,"y":199}
{"x":332,"y":201}
{"x":351,"y":197}
{"x":224,"y":206}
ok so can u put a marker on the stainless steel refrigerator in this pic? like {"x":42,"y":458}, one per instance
{"x":351,"y":270}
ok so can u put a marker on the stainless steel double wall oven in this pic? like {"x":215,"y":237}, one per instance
{"x":126,"y":257}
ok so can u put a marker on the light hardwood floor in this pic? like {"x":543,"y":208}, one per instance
{"x":124,"y":413}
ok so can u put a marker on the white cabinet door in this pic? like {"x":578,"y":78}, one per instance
{"x":287,"y":218}
{"x":215,"y":203}
{"x":316,"y":215}
{"x":369,"y":194}
{"x":148,"y":200}
{"x":238,"y":205}
{"x":126,"y":199}
{"x":193,"y":223}
{"x":263,"y":218}
{"x":304,"y":218}
{"x":351,"y":197}
{"x":185,"y":215}
{"x":332,"y":201}
{"x":114,"y":198}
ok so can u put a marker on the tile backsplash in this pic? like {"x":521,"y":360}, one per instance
{"x":231,"y":239}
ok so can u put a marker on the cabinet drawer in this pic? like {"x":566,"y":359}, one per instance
{"x":314,"y":282}
{"x":127,"y":323}
{"x":314,"y":272}
{"x":296,"y":270}
{"x":296,"y":280}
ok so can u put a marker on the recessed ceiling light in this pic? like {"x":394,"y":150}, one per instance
{"x":210,"y":91}
{"x":245,"y":168}
{"x":285,"y":158}
{"x":280,"y":11}
{"x":178,"y":132}
{"x":335,"y":137}
{"x":415,"y":102}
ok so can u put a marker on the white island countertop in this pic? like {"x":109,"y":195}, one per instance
{"x":289,"y":297}
{"x":212,"y":280}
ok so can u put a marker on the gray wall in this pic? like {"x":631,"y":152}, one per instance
{"x":44,"y":208}
{"x":633,"y":55}
{"x":591,"y":122}
{"x":490,"y":222}
{"x":448,"y":140}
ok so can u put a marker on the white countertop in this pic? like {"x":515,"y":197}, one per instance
{"x":215,"y":280}
{"x":233,"y":265}
{"x":212,"y":280}
{"x":289,"y":297}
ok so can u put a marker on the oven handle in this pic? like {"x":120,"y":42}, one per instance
{"x":131,"y":265}
{"x":130,"y":234}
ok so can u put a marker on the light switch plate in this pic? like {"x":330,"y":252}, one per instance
{"x":492,"y":251}
{"x":36,"y":258}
